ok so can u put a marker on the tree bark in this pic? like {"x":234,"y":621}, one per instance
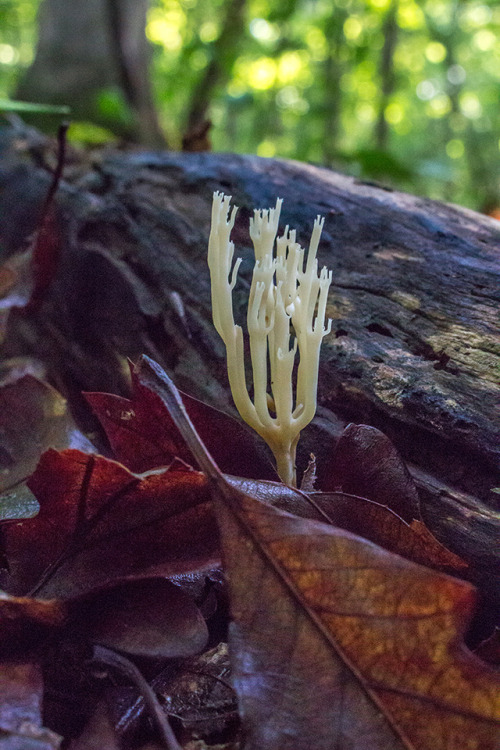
{"x":332,"y":72}
{"x":414,"y":348}
{"x":225,"y":50}
{"x":390,"y":30}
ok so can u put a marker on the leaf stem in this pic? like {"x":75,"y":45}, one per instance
{"x":123,"y":665}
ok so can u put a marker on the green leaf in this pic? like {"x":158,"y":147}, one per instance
{"x":7,"y":105}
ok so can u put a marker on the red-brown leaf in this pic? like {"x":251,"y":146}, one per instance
{"x":25,"y":620}
{"x":100,"y":524}
{"x":143,"y":435}
{"x":364,"y":517}
{"x":382,"y":526}
{"x":366,"y":463}
{"x":337,"y":642}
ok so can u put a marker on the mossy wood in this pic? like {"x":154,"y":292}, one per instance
{"x":414,"y":348}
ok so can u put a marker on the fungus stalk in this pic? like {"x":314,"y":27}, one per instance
{"x":286,"y":292}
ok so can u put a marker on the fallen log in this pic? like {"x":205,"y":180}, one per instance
{"x":414,"y":348}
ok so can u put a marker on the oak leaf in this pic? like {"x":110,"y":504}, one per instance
{"x":100,"y":524}
{"x":350,"y":645}
{"x":337,"y":642}
{"x":143,"y":435}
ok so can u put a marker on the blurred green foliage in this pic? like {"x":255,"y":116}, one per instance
{"x":17,"y":37}
{"x":403,"y":91}
{"x":7,"y":105}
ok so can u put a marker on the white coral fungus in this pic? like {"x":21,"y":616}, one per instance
{"x":284,"y":293}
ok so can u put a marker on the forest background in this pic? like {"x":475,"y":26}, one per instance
{"x":402,"y":91}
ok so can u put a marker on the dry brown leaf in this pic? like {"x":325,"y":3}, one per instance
{"x":336,"y":642}
{"x":100,"y":524}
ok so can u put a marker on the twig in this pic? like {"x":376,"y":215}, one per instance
{"x":128,"y":669}
{"x":45,"y":256}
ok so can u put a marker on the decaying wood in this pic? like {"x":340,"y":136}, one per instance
{"x":414,"y":348}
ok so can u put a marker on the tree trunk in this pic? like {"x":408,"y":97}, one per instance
{"x":92,"y":53}
{"x":332,"y":72}
{"x":225,"y":50}
{"x":390,"y":30}
{"x":414,"y":348}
